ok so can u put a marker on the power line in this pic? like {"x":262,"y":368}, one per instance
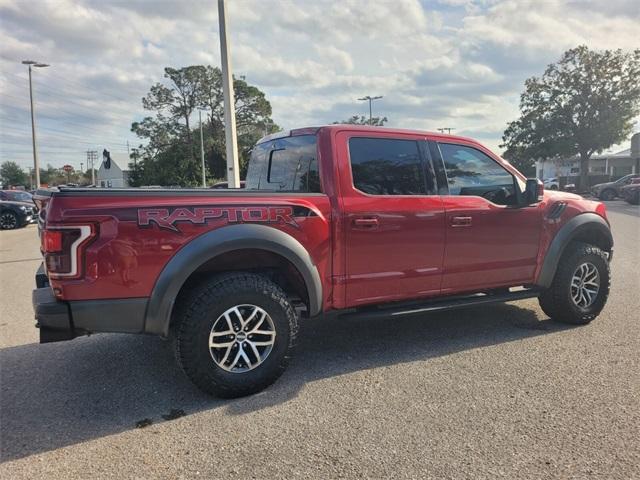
{"x":63,"y":132}
{"x":65,"y":136}
{"x":45,"y":115}
{"x":66,"y":80}
{"x":68,"y":100}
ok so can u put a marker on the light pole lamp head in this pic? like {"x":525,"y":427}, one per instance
{"x":29,"y":62}
{"x":41,"y":65}
{"x":369,"y":97}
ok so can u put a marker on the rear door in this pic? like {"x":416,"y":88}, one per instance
{"x":491,"y":242}
{"x":393,"y":219}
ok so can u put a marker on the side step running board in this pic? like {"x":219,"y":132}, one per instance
{"x":441,"y":304}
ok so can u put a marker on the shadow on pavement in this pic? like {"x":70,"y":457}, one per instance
{"x":62,"y":394}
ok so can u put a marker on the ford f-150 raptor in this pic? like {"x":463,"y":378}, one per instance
{"x":361,"y":221}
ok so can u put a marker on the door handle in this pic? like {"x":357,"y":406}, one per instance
{"x":460,"y":221}
{"x":365,"y":222}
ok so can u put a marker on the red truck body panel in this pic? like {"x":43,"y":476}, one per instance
{"x":126,"y":258}
{"x":368,"y":249}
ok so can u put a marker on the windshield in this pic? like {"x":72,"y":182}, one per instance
{"x":18,"y":196}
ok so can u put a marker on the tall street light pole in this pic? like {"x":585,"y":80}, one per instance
{"x":36,"y":164}
{"x":233,"y":169}
{"x":370,"y":100}
{"x":204,"y":175}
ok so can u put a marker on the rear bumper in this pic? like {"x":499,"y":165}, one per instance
{"x":60,"y":320}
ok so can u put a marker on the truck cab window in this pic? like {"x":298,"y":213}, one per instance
{"x":383,"y":166}
{"x":471,"y":172}
{"x":286,"y":164}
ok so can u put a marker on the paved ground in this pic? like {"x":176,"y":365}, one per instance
{"x":492,"y":392}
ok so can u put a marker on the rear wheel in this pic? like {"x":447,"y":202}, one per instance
{"x":580,"y":287}
{"x":236,"y":334}
{"x":8,"y":221}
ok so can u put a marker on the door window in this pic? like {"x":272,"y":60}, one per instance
{"x":384,"y":166}
{"x":471,"y":172}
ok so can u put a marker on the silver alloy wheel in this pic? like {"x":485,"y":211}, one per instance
{"x":241,"y":338}
{"x":8,"y":221}
{"x":585,"y":285}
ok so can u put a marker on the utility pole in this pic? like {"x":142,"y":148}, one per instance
{"x":370,"y":100}
{"x":36,"y":164}
{"x":448,"y":129}
{"x":92,"y":156}
{"x":204,"y":175}
{"x":81,"y":167}
{"x":233,"y":169}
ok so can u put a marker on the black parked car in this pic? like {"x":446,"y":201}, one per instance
{"x":16,"y":214}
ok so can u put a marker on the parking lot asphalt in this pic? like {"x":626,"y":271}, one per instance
{"x":498,"y":391}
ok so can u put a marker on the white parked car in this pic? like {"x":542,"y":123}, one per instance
{"x":551,"y":184}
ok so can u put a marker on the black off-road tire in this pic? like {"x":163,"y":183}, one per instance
{"x":556,"y":301}
{"x":196,"y":314}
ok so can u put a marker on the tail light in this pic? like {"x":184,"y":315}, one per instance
{"x":62,"y":248}
{"x":540,"y":191}
{"x":601,"y":209}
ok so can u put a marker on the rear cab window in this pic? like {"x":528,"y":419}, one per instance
{"x":288,"y":164}
{"x":388,"y":166}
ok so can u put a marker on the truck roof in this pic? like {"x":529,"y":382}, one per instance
{"x":360,"y":128}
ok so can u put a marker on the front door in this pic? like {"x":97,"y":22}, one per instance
{"x":490,"y":242}
{"x":393,"y":219}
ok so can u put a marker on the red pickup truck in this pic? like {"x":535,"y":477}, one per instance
{"x":362,"y":221}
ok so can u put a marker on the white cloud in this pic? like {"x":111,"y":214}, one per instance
{"x":459,"y":63}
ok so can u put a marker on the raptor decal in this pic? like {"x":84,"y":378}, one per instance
{"x":167,"y":219}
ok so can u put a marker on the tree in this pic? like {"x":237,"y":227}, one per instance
{"x":362,"y":120}
{"x":523,"y":162}
{"x":12,"y":174}
{"x":171,"y":154}
{"x":180,"y":98}
{"x":583,"y":104}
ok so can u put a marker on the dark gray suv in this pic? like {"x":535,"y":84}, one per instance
{"x":611,"y":190}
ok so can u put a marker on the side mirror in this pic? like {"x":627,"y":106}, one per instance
{"x":533,"y":191}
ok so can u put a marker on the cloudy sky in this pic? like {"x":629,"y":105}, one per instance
{"x":438,"y":63}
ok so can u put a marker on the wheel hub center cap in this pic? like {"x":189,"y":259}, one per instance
{"x":241,"y":336}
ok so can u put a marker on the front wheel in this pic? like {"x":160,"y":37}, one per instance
{"x":580,"y":287}
{"x":236,"y":334}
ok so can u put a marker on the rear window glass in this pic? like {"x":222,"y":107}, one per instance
{"x":286,"y":164}
{"x":383,"y":166}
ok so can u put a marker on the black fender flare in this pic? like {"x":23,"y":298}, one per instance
{"x":565,"y":235}
{"x":215,"y":243}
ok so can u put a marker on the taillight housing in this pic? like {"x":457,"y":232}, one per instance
{"x":601,"y":209}
{"x":540,"y":191}
{"x":62,"y":248}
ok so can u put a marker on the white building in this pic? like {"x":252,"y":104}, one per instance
{"x":614,"y":165}
{"x":114,"y":176}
